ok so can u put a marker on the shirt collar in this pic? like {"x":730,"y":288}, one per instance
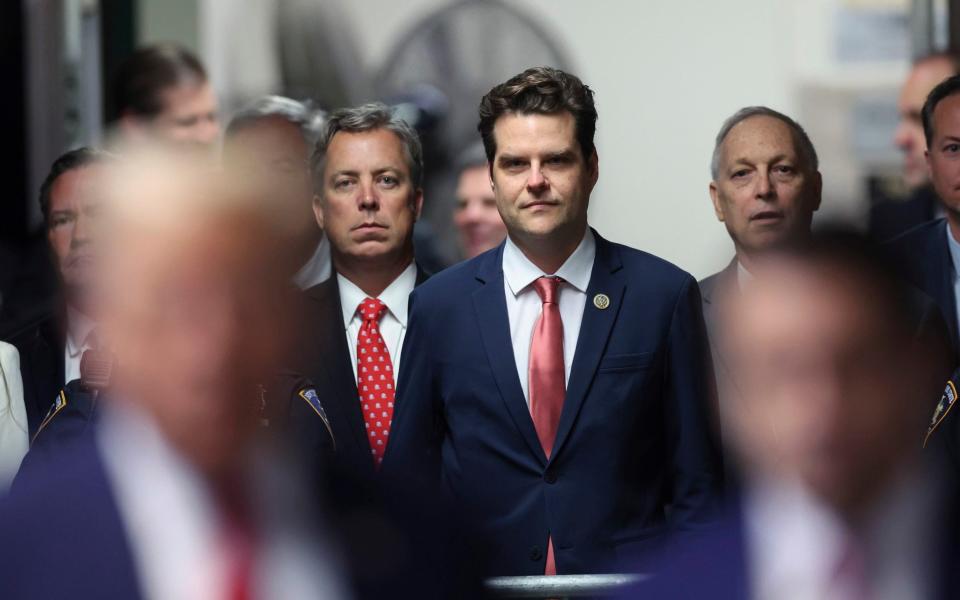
{"x":744,"y":277}
{"x":954,"y":247}
{"x":396,"y":296}
{"x":519,"y":272}
{"x":317,"y":269}
{"x":79,"y":327}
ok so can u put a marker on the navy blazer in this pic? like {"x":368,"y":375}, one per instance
{"x":323,"y":357}
{"x":62,"y":533}
{"x":633,"y":438}
{"x":923,"y":259}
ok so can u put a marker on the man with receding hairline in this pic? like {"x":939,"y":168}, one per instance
{"x":765,"y":188}
{"x":556,"y":386}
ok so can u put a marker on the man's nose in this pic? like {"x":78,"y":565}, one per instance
{"x":81,"y":231}
{"x":368,"y":199}
{"x":765,"y":189}
{"x":536,"y":182}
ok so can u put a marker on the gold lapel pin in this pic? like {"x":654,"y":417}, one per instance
{"x":601,"y":301}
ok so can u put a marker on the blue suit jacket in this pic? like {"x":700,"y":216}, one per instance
{"x":923,"y":258}
{"x":61,"y":532}
{"x":633,"y":436}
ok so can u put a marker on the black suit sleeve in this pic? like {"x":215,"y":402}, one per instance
{"x":690,"y":412}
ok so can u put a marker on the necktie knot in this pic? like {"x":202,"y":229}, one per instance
{"x":372,"y":309}
{"x":547,"y":288}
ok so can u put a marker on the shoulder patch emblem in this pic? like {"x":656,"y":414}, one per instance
{"x":947,"y":400}
{"x":58,"y":404}
{"x":309,"y":394}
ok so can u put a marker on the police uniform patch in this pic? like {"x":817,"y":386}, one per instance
{"x":58,"y":404}
{"x":947,"y":400}
{"x":310,"y":395}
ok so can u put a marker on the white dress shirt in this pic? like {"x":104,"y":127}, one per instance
{"x":318,"y":269}
{"x":393,"y":324}
{"x":795,"y":542}
{"x":524,"y":304}
{"x":79,"y":327}
{"x":174,"y":528}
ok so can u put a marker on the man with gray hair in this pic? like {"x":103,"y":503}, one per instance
{"x":765,"y":186}
{"x":271,"y":141}
{"x":368,"y":171}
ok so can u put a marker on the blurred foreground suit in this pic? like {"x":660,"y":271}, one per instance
{"x":323,"y":357}
{"x":632,"y":438}
{"x":85,"y":512}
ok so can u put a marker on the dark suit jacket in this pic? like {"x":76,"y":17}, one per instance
{"x":62,"y":533}
{"x":890,"y":218}
{"x":41,"y":347}
{"x":323,"y":357}
{"x":923,"y":259}
{"x":633,"y":437}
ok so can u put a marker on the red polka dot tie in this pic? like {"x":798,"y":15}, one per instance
{"x":374,"y":378}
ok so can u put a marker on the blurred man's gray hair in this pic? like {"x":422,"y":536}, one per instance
{"x":308,"y":119}
{"x":368,"y":117}
{"x":801,"y":140}
{"x":473,"y":155}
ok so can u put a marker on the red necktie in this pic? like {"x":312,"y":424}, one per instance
{"x":547,"y":376}
{"x":374,"y":378}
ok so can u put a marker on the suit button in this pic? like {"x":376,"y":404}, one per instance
{"x":550,"y":477}
{"x":536,"y":553}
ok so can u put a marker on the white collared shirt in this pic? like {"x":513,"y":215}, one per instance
{"x":524,"y":305}
{"x":318,"y":269}
{"x":79,"y":327}
{"x":794,"y":543}
{"x":393,"y":324}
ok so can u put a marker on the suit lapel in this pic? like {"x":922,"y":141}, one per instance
{"x":943,"y":276}
{"x":595,"y":329}
{"x":335,"y":355}
{"x":490,"y":304}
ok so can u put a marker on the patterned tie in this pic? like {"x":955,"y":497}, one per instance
{"x":547,"y":377}
{"x":374,"y":378}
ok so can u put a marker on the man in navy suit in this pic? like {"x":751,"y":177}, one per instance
{"x":929,"y":255}
{"x":558,"y":385}
{"x":368,"y":172}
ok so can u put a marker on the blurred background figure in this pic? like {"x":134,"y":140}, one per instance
{"x":161,"y":95}
{"x":13,"y":416}
{"x":50,"y":346}
{"x":891,"y":217}
{"x":476,"y":216}
{"x":175,"y":494}
{"x":834,"y":394}
{"x":271,"y":141}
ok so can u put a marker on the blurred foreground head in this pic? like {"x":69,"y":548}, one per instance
{"x":834,"y":382}
{"x":191,"y":304}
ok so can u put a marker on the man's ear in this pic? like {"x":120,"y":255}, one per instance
{"x":926,"y":156}
{"x":417,"y":204}
{"x":818,"y":190}
{"x":593,"y":167}
{"x":715,"y":199}
{"x":318,"y":209}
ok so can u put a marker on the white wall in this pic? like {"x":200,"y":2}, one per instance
{"x":666,"y":73}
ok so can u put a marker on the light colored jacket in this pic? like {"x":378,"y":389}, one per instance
{"x":14,"y":440}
